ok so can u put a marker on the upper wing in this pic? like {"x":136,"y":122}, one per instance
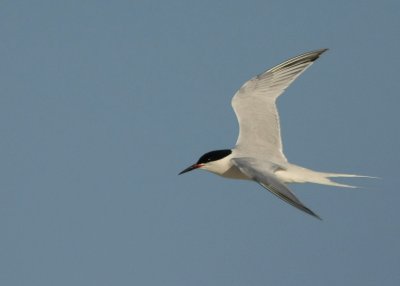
{"x":263,"y":174}
{"x":255,"y":108}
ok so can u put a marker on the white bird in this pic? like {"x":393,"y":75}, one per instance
{"x":258,"y":154}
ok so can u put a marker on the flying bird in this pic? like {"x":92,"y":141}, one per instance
{"x":258,"y":153}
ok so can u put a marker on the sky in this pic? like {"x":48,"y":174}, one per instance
{"x":103,"y":103}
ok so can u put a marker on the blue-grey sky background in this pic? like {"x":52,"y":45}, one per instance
{"x":102,"y":103}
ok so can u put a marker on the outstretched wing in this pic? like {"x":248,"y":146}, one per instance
{"x":255,"y":108}
{"x":262,"y":172}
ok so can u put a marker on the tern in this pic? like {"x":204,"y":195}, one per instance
{"x":258,"y":153}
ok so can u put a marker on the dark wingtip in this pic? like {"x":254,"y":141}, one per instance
{"x":317,"y":53}
{"x":310,"y":212}
{"x":316,"y":216}
{"x":321,"y":51}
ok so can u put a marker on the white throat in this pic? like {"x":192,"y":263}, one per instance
{"x":225,"y":168}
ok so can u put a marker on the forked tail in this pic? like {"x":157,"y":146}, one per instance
{"x":325,"y":179}
{"x":297,"y":174}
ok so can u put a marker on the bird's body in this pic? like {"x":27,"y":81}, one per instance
{"x":258,"y":154}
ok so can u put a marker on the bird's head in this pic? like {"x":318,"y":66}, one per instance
{"x":208,"y":160}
